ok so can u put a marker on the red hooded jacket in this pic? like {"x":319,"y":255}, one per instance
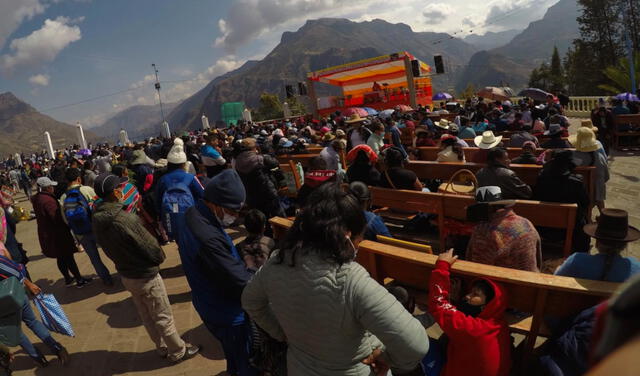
{"x":478,"y":346}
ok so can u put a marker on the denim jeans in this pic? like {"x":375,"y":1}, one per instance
{"x":38,"y":328}
{"x":236,"y":345}
{"x":88,"y":241}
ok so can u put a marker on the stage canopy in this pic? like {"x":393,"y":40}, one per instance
{"x":357,"y":78}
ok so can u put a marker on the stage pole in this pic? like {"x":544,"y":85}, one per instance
{"x":410,"y":83}
{"x":313,"y":98}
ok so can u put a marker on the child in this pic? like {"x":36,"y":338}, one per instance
{"x":479,"y":342}
{"x":256,"y":248}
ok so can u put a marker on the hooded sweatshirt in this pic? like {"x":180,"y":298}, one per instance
{"x":479,"y":346}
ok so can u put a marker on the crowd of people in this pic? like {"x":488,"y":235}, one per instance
{"x":304,"y":306}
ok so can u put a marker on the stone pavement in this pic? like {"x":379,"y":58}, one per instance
{"x":110,"y":339}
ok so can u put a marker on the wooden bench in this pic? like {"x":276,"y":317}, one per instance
{"x":506,"y":139}
{"x":430,"y":153}
{"x":290,"y":168}
{"x":447,"y":207}
{"x":304,"y":159}
{"x":539,"y":295}
{"x":527,"y":173}
{"x":622,"y":120}
{"x":404,"y":244}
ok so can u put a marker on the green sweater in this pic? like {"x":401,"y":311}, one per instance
{"x":134,"y":251}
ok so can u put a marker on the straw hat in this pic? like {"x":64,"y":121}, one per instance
{"x":487,"y":141}
{"x":588,"y":124}
{"x":328,"y":137}
{"x":585,"y":140}
{"x":355,"y":118}
{"x":613,"y":224}
{"x":444,"y":124}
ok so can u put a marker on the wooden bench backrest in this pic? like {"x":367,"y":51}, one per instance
{"x":543,"y":214}
{"x":632,"y":119}
{"x":304,"y":159}
{"x":404,"y":244}
{"x":430,"y":153}
{"x":527,"y":173}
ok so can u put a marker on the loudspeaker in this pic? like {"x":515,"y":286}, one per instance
{"x":439,"y":64}
{"x":415,"y":68}
{"x":289,"y":91}
{"x":302,"y":88}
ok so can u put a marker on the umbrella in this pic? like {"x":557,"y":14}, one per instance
{"x":386,"y":113}
{"x":403,"y":108}
{"x":535,"y":94}
{"x":442,"y":97}
{"x":494,"y":93}
{"x":370,"y":111}
{"x":629,"y":97}
{"x":355,"y":110}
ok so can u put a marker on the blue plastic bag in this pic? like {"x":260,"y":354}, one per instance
{"x":52,"y":314}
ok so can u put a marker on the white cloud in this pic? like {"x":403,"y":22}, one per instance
{"x":13,"y":12}
{"x":39,"y":79}
{"x":41,"y":46}
{"x":516,"y":14}
{"x":437,"y":13}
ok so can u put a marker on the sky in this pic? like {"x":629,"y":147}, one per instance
{"x":85,"y":60}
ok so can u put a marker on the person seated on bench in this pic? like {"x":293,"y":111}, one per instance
{"x":528,"y":155}
{"x":331,"y":154}
{"x":376,"y":139}
{"x":587,"y":154}
{"x":362,"y":167}
{"x":501,"y":237}
{"x":485,"y":142}
{"x":425,"y":137}
{"x":558,"y":183}
{"x":375,"y":224}
{"x":497,"y":173}
{"x":612,"y":233}
{"x":479,"y":343}
{"x":450,"y":151}
{"x":521,"y":136}
{"x":316,"y":175}
{"x":555,"y":140}
{"x":332,"y":314}
{"x":396,"y":176}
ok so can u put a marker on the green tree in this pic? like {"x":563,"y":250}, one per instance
{"x":297,"y":108}
{"x":270,"y":108}
{"x":541,"y":77}
{"x":469,"y":91}
{"x":556,"y":74}
{"x":618,"y":77}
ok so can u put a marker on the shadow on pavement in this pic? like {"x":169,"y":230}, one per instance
{"x":121,"y":314}
{"x":68,"y":295}
{"x":184,"y":297}
{"x":201,"y":336}
{"x":172,"y":272}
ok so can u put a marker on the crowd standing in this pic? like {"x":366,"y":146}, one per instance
{"x":305,"y":307}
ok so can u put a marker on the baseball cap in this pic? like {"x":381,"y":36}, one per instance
{"x":45,"y":182}
{"x":106,"y":183}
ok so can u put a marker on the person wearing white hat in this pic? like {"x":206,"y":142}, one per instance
{"x":485,"y":142}
{"x":587,"y":154}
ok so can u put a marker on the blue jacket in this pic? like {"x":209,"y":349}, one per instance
{"x":213,"y":268}
{"x":375,"y":226}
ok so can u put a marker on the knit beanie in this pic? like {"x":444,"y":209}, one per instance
{"x":226,"y":190}
{"x":176,"y":154}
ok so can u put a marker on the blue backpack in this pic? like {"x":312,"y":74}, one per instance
{"x":77,"y":211}
{"x":175,"y":202}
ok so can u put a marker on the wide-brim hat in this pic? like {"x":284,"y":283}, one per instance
{"x":492,"y":195}
{"x":328,"y":137}
{"x":584,"y":140}
{"x":487,"y":140}
{"x":444,"y":124}
{"x":613,"y":224}
{"x":588,"y":124}
{"x":355,"y":118}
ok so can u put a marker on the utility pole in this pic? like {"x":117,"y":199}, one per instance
{"x":155,"y":70}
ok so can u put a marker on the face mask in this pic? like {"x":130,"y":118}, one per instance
{"x":227,"y":219}
{"x":469,"y":309}
{"x":355,"y":250}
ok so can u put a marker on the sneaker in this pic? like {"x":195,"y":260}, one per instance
{"x":63,"y":355}
{"x":189,"y":353}
{"x":83,"y":282}
{"x":69,"y":283}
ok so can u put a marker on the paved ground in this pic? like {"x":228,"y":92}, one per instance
{"x":111,"y":341}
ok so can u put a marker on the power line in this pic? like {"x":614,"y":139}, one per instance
{"x":89,"y":99}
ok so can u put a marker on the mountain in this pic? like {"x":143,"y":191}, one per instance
{"x":525,"y":51}
{"x":136,"y":120}
{"x":318,"y":44}
{"x":22,"y":128}
{"x":490,"y":39}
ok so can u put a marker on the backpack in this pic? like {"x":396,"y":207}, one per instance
{"x":77,"y":211}
{"x":175,"y":202}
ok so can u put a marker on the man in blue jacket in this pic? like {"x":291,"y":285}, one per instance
{"x":215,"y":271}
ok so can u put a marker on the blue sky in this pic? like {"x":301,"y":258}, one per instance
{"x":58,"y":52}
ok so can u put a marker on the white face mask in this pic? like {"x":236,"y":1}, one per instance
{"x":228,"y":219}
